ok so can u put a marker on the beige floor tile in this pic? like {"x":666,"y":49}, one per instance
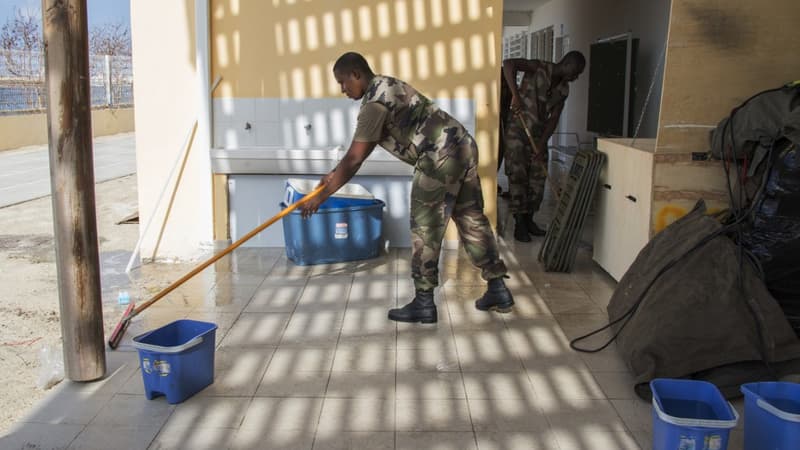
{"x":590,"y":438}
{"x":318,"y":328}
{"x":325,"y":292}
{"x":645,"y":439}
{"x":435,"y":335}
{"x":637,"y":414}
{"x":363,"y":356}
{"x":507,"y":414}
{"x":361,"y":385}
{"x":256,"y":330}
{"x":582,"y":414}
{"x":226,"y":298}
{"x":134,"y":385}
{"x":433,"y":415}
{"x":607,"y":360}
{"x":465,"y":316}
{"x":376,"y":290}
{"x":436,"y":440}
{"x":288,"y":360}
{"x":428,"y":359}
{"x":238,"y":371}
{"x":483,"y":350}
{"x":516,"y":440}
{"x":296,"y":384}
{"x":354,"y":440}
{"x":173,"y":437}
{"x":133,"y":411}
{"x":430,"y":385}
{"x":39,"y":436}
{"x":736,"y":438}
{"x":270,"y":414}
{"x":105,"y":437}
{"x":535,"y":338}
{"x":235,"y":279}
{"x":366,"y":322}
{"x":209,"y":412}
{"x":69,"y":403}
{"x":284,"y":269}
{"x":616,"y":385}
{"x":556,"y":382}
{"x":528,"y":304}
{"x":498,"y":385}
{"x":276,"y":296}
{"x":260,"y":439}
{"x":569,"y":302}
{"x":223,"y":320}
{"x":356,"y":414}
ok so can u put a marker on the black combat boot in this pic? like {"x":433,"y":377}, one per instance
{"x":521,"y":232}
{"x":497,"y":297}
{"x":534,"y":229}
{"x":421,"y":309}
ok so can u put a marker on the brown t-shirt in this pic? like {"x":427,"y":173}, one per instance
{"x":371,"y":122}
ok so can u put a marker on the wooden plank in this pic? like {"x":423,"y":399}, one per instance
{"x":718,"y":55}
{"x":220,"y":207}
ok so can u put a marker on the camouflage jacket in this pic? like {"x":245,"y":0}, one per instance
{"x":540,"y":99}
{"x":415,"y":125}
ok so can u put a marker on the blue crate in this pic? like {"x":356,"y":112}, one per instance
{"x":177,"y":360}
{"x":690,"y":414}
{"x":771,"y":416}
{"x":334,"y":234}
{"x":351,"y":194}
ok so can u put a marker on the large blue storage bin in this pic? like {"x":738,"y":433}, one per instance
{"x":177,"y":360}
{"x":771,"y":416}
{"x":690,"y":414}
{"x":351,"y":194}
{"x":334,"y":234}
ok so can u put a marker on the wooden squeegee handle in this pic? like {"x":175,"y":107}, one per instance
{"x":230,"y":248}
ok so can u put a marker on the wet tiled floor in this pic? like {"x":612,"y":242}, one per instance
{"x":306,"y":358}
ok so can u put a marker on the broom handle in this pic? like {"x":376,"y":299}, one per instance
{"x":230,"y":248}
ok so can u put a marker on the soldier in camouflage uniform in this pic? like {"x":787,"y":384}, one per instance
{"x":445,"y":185}
{"x":539,"y":101}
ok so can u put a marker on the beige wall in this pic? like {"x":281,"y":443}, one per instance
{"x":286,"y":48}
{"x":719,"y":54}
{"x":21,"y":130}
{"x":167,"y":104}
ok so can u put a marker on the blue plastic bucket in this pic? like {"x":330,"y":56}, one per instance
{"x":177,"y":360}
{"x":334,"y":234}
{"x":690,"y":415}
{"x":771,"y":416}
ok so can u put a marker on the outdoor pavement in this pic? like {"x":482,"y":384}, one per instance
{"x":306,"y":358}
{"x":26,"y":171}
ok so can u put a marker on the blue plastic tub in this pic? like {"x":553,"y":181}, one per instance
{"x":771,"y":416}
{"x":177,"y":360}
{"x":690,"y":415}
{"x":334,"y":234}
{"x":351,"y":194}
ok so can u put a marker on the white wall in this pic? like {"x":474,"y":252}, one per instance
{"x":166,"y":100}
{"x":586,"y":21}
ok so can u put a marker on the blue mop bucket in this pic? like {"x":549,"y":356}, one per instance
{"x":690,"y":415}
{"x":177,"y":360}
{"x":771,"y":416}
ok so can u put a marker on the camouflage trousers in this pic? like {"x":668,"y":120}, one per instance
{"x":526,"y":174}
{"x":446,"y":185}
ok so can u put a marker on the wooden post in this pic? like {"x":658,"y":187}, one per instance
{"x":69,"y":130}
